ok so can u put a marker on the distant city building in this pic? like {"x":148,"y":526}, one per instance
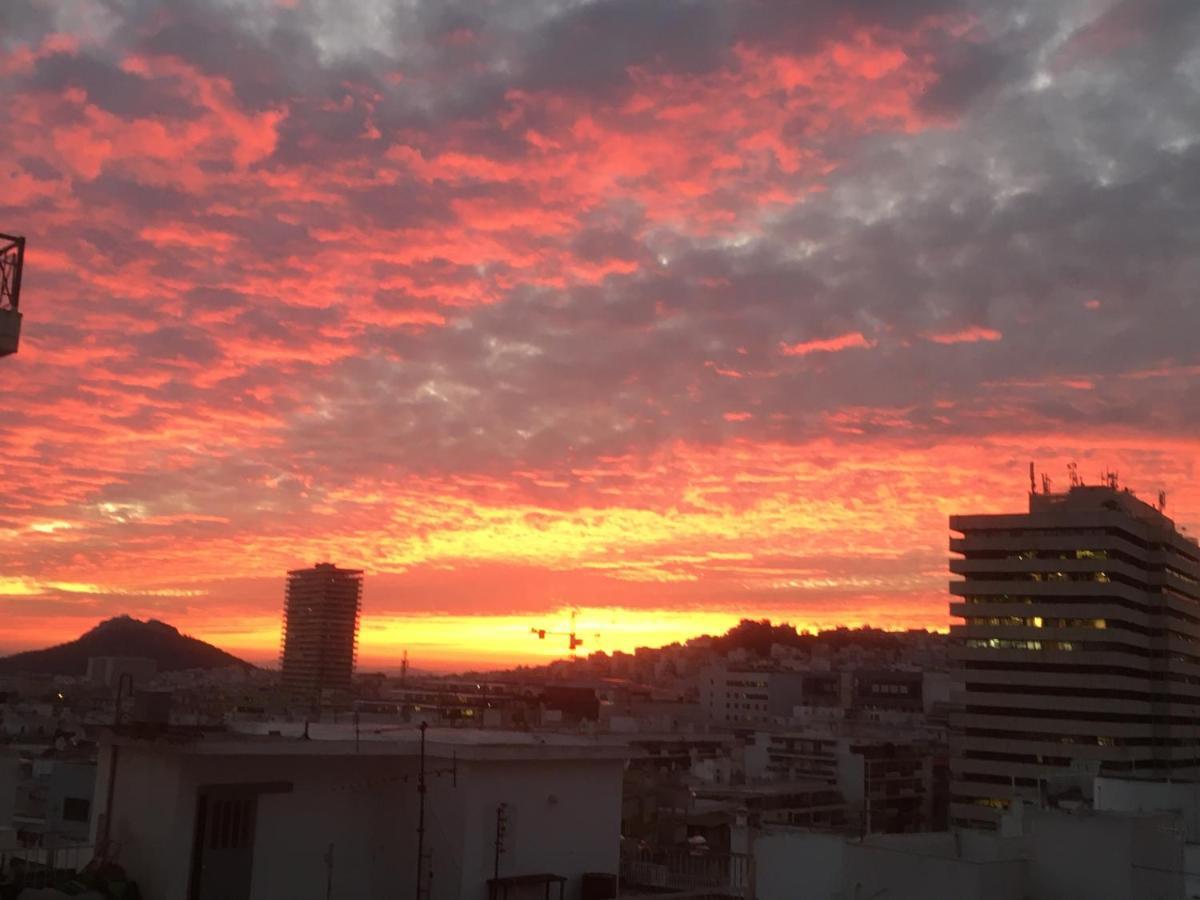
{"x":320,"y":625}
{"x":1077,"y":649}
{"x":108,"y":670}
{"x":888,"y":785}
{"x":749,"y":696}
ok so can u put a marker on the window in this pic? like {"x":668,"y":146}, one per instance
{"x":76,"y":809}
{"x":992,"y":802}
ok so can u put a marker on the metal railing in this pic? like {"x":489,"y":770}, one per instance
{"x":715,"y":874}
{"x":43,"y":867}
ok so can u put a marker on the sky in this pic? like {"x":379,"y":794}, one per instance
{"x":669,"y":311}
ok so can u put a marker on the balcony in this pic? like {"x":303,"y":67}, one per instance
{"x":688,"y":870}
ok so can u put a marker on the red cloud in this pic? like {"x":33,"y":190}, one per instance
{"x":852,"y":340}
{"x":971,"y":335}
{"x":268,"y":324}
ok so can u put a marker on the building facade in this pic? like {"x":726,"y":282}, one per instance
{"x":109,"y":670}
{"x":47,"y":799}
{"x":1077,"y":649}
{"x":889,"y":785}
{"x":277,"y":818}
{"x":748,"y":696}
{"x":320,"y":628}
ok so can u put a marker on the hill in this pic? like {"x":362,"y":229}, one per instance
{"x":122,"y":636}
{"x":757,"y":636}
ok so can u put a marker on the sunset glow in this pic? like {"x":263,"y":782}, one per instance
{"x":536,"y":308}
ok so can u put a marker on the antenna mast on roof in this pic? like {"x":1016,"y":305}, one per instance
{"x":1032,"y":480}
{"x":12,"y":264}
{"x":1045,"y":483}
{"x":1073,"y":471}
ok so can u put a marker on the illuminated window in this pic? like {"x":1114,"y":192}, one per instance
{"x":992,"y":802}
{"x":1002,"y":644}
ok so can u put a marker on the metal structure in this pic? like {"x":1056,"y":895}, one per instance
{"x":574,"y":641}
{"x":12,"y":264}
{"x":501,"y":831}
{"x":425,"y":857}
{"x":422,"y":891}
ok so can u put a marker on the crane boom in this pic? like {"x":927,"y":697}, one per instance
{"x":12,"y":265}
{"x":574,"y":640}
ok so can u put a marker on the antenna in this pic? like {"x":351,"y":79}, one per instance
{"x":1162,"y":501}
{"x":421,"y":878}
{"x":1032,"y":479}
{"x":1073,"y":472}
{"x":12,"y":263}
{"x":1045,"y":483}
{"x":501,"y":831}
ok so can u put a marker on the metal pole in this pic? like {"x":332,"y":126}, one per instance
{"x":421,"y":815}
{"x":110,"y":789}
{"x":117,"y":703}
{"x":496,"y":862}
{"x":501,"y":823}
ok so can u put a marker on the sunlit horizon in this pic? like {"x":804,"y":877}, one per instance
{"x":526,"y":306}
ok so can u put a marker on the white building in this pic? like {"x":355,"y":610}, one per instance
{"x":109,"y":670}
{"x":270,"y":817}
{"x":736,"y":696}
{"x":1037,"y":855}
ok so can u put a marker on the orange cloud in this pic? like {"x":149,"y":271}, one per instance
{"x":510,"y":348}
{"x":971,"y":335}
{"x":852,"y":340}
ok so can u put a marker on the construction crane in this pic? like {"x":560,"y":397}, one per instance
{"x":12,"y":263}
{"x":574,"y":641}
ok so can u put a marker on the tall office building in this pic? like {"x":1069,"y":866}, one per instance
{"x":1079,"y":649}
{"x":320,"y":627}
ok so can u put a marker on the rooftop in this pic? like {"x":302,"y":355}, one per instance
{"x":288,"y":739}
{"x":1092,"y":498}
{"x":764,"y":789}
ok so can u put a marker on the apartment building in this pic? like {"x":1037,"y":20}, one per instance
{"x":1077,"y":649}
{"x":320,"y":625}
{"x":748,"y":696}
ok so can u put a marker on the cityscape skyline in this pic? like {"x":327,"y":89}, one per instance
{"x":444,"y":643}
{"x":542,"y":306}
{"x":600,"y":449}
